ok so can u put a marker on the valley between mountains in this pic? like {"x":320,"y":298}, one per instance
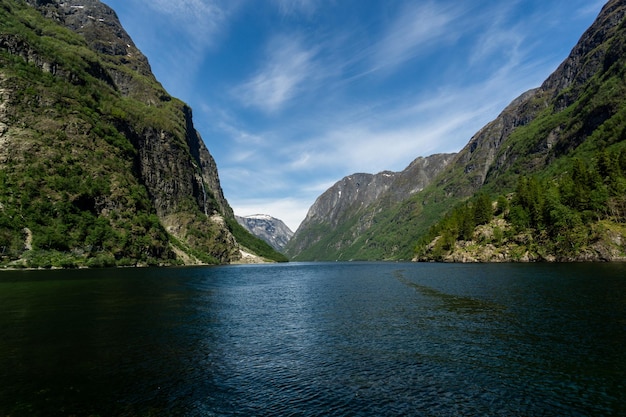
{"x":100,"y":166}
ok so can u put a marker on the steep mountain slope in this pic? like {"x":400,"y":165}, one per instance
{"x":335,"y":223}
{"x":564,"y":172}
{"x":99,"y":165}
{"x":578,"y":111}
{"x":270,"y":229}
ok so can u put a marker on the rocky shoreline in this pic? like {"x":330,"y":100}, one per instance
{"x":490,"y":246}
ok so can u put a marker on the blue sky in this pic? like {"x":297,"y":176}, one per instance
{"x":290,"y":96}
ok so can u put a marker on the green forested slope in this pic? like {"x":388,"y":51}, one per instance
{"x":563,"y":175}
{"x":80,"y":133}
{"x":579,"y":214}
{"x":574,"y":123}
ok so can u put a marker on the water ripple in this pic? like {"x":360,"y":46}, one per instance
{"x":360,"y":339}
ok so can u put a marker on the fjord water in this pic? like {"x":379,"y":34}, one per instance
{"x":319,"y":339}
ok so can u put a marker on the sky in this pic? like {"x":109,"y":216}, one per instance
{"x":290,"y":96}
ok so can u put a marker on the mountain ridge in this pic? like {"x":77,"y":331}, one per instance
{"x":541,"y":127}
{"x":353,"y":203}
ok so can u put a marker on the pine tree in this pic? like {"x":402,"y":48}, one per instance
{"x":483,"y":210}
{"x":502,"y":205}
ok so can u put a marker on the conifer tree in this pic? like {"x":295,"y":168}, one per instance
{"x":502,"y":205}
{"x":483,"y":211}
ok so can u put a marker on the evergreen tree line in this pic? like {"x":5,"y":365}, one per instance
{"x":557,"y":213}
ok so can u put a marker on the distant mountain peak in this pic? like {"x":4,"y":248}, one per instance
{"x":272,"y":230}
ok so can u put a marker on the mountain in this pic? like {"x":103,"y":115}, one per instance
{"x":99,"y":165}
{"x":268,"y":228}
{"x":577,"y":114}
{"x":336,"y":222}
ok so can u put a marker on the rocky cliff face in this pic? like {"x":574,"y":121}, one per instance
{"x":90,"y":104}
{"x":347,"y":209}
{"x":100,"y":27}
{"x":478,"y":156}
{"x":268,"y":228}
{"x":490,"y":153}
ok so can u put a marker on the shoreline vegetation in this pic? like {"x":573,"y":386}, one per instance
{"x":246,"y":259}
{"x":577,"y":215}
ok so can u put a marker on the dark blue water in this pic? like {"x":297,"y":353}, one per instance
{"x":340,"y":339}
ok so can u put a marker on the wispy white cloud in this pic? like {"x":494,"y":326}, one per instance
{"x":241,"y":136}
{"x":592,"y":8}
{"x":200,"y":19}
{"x":176,"y":35}
{"x":415,"y":27}
{"x":288,"y":66}
{"x":294,"y":64}
{"x":305,"y":7}
{"x":391,"y":134}
{"x":497,"y":41}
{"x":386,"y":142}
